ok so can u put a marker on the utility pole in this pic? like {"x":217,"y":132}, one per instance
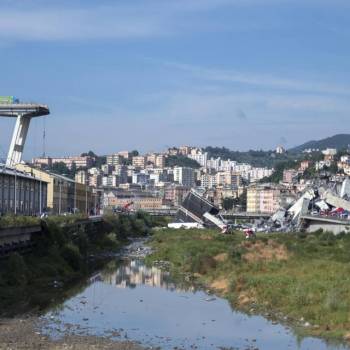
{"x":86,"y":201}
{"x":60,"y":198}
{"x":15,"y":191}
{"x":75,"y":197}
{"x":40,"y":197}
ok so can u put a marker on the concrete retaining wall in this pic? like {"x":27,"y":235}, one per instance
{"x":336,"y":229}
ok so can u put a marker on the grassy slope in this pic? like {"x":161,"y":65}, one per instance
{"x":306,"y":279}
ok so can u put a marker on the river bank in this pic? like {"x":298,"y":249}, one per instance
{"x":25,"y":333}
{"x":62,"y":255}
{"x":302,"y":281}
{"x":59,"y":266}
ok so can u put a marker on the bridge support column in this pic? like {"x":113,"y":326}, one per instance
{"x":18,"y":140}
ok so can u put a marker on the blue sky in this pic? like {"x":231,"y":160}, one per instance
{"x":147,"y":74}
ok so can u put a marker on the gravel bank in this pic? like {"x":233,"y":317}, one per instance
{"x":22,"y":333}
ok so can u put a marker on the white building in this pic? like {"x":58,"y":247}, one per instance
{"x":199,"y":157}
{"x":280,"y":150}
{"x":140,"y":178}
{"x":110,"y":181}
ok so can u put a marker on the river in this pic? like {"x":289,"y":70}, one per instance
{"x":129,"y":300}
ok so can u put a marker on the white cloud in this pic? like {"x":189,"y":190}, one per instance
{"x":40,"y":20}
{"x":260,"y":80}
{"x":76,"y":24}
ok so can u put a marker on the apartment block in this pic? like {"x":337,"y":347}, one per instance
{"x":184,"y":176}
{"x":115,"y":159}
{"x":81,"y":177}
{"x":289,"y":175}
{"x":263,"y":199}
{"x":139,"y":162}
{"x":80,"y":162}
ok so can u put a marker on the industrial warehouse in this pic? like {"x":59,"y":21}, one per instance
{"x":21,"y":193}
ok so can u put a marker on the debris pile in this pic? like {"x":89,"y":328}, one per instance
{"x":326,"y":202}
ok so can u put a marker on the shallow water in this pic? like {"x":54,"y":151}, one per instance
{"x":131,"y":301}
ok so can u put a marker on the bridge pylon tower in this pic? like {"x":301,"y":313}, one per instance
{"x":23,"y":112}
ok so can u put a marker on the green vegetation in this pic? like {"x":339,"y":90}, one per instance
{"x":7,"y":221}
{"x":99,"y":160}
{"x":256,"y":158}
{"x":181,"y":161}
{"x":62,"y":255}
{"x":277,"y":175}
{"x":302,"y":278}
{"x":61,"y":168}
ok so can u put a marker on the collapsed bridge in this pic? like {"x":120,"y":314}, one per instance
{"x":197,"y":209}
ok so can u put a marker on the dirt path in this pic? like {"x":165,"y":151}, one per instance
{"x":23,"y":333}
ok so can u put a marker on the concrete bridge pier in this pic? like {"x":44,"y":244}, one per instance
{"x":18,"y":140}
{"x":23,"y":112}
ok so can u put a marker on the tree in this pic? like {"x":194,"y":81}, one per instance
{"x":241,"y":201}
{"x":134,"y":153}
{"x":181,"y":161}
{"x":89,"y":154}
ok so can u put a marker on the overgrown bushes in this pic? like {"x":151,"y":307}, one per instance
{"x":63,"y":253}
{"x":7,"y":221}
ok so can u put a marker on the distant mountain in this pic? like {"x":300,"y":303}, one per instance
{"x":340,"y":142}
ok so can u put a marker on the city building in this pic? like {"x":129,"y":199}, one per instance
{"x":63,"y":194}
{"x":305,"y":164}
{"x":107,"y":169}
{"x":139,"y":162}
{"x":114,"y":159}
{"x":185,"y":150}
{"x":184,"y":176}
{"x":125,"y":154}
{"x":200,"y":157}
{"x":160,"y":161}
{"x":80,"y":162}
{"x":263,"y":199}
{"x":122,"y":172}
{"x":175,"y":194}
{"x":110,"y":181}
{"x":21,"y":193}
{"x":208,"y":180}
{"x":173,"y":151}
{"x":329,"y":154}
{"x":256,"y":174}
{"x":280,"y":150}
{"x":138,"y":200}
{"x":140,"y":178}
{"x":323,"y":164}
{"x":289,"y":175}
{"x":81,"y":177}
{"x":228,"y":179}
{"x":42,"y":162}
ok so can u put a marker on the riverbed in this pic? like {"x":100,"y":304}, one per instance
{"x":130,"y":301}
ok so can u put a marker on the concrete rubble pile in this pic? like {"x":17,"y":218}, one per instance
{"x":328,"y":202}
